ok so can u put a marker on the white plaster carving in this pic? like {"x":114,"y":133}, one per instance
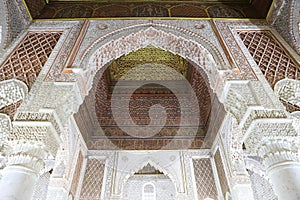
{"x":5,"y":129}
{"x":160,"y":39}
{"x":288,"y":90}
{"x":44,"y":114}
{"x":159,"y":160}
{"x":12,"y":91}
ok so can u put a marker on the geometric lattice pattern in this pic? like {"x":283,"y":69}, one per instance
{"x":261,"y":187}
{"x":221,"y":173}
{"x":41,"y":187}
{"x":205,"y":182}
{"x":93,"y":178}
{"x":76,"y":174}
{"x":11,"y":109}
{"x":273,"y":60}
{"x":27,"y":60}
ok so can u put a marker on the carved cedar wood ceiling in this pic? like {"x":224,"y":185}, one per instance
{"x":41,"y":9}
{"x":99,"y":127}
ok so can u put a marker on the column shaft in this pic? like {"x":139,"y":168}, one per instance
{"x":285,"y":180}
{"x":17,"y":183}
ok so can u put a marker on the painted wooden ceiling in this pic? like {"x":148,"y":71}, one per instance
{"x":195,"y":1}
{"x":70,"y":9}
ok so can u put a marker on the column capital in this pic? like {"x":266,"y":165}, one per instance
{"x":28,"y":154}
{"x":275,"y":152}
{"x":268,"y":131}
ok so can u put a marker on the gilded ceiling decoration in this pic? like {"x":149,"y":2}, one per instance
{"x":148,"y":63}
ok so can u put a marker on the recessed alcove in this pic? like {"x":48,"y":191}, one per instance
{"x":154,"y":86}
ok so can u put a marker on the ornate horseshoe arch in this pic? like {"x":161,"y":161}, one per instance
{"x":99,"y":55}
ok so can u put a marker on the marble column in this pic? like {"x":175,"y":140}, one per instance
{"x":282,"y":168}
{"x":20,"y":174}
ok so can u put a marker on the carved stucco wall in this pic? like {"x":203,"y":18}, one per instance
{"x":24,"y":64}
{"x":41,"y":187}
{"x":167,"y":162}
{"x":47,"y":88}
{"x":272,"y":58}
{"x":14,"y":20}
{"x":285,"y":17}
{"x":163,"y":187}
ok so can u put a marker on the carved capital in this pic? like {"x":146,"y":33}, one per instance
{"x":263,"y":130}
{"x":42,"y":132}
{"x":52,"y":102}
{"x":277,"y":151}
{"x":28,"y":154}
{"x":248,"y":101}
